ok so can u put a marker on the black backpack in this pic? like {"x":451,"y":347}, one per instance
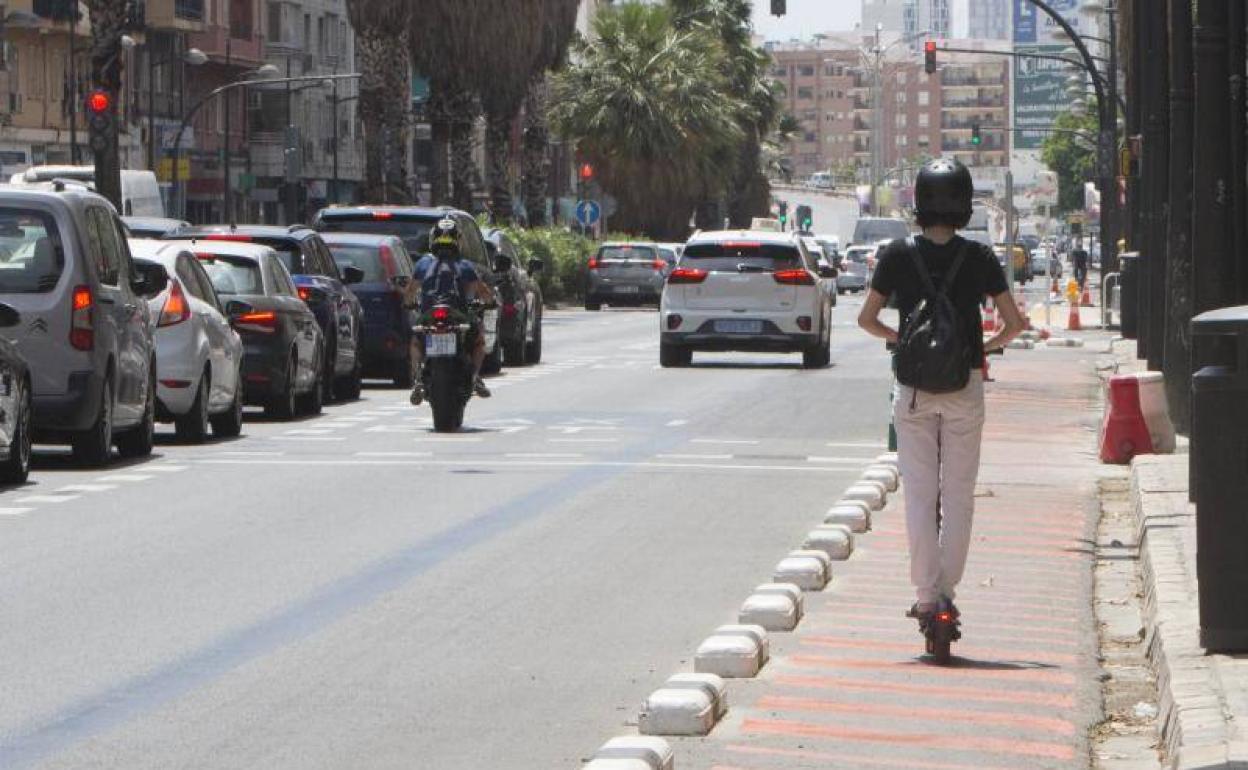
{"x":932,"y":353}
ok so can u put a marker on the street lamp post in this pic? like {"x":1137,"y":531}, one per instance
{"x":193,"y":57}
{"x":335,"y":103}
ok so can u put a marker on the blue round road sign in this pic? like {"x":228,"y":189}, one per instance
{"x":588,"y":212}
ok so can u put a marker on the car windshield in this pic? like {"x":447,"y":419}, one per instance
{"x":626,"y":253}
{"x":232,"y":275}
{"x":366,"y":258}
{"x":31,"y":257}
{"x":858,"y":255}
{"x":741,"y":256}
{"x":668,"y":255}
{"x":872,"y":230}
{"x":414,"y":232}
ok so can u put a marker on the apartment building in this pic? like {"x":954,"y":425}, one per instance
{"x":989,"y":19}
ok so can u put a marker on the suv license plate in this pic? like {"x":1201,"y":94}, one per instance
{"x":440,"y":345}
{"x":627,"y":290}
{"x":738,"y":327}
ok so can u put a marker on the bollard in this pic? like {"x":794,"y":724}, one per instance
{"x":1219,"y":457}
{"x":1124,"y":434}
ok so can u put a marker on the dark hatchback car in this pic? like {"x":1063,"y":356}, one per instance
{"x":520,"y":316}
{"x":413,"y":224}
{"x":15,"y":406}
{"x":387,"y":267}
{"x":321,"y":285}
{"x":282,"y":341}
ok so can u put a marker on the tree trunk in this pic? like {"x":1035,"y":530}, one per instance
{"x":535,"y":163}
{"x":463,"y":111}
{"x":383,"y":57}
{"x":108,"y":19}
{"x":440,"y":136}
{"x":498,"y":165}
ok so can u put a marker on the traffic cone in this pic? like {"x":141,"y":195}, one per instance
{"x":1072,"y":321}
{"x":989,"y":319}
{"x":1124,"y":433}
{"x":1086,"y":301}
{"x":1056,"y":287}
{"x":1022,"y":310}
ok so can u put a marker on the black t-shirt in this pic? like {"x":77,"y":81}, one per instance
{"x":979,"y":276}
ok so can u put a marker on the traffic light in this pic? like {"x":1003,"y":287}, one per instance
{"x":805,"y":219}
{"x":976,"y":139}
{"x":587,"y":172}
{"x":784,"y":214}
{"x":929,"y":57}
{"x":101,"y":115}
{"x":778,"y":7}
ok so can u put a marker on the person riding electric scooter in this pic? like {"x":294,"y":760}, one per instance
{"x":441,"y":273}
{"x":938,"y":280}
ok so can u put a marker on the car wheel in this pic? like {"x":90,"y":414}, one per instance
{"x":328,"y":376}
{"x":192,"y":427}
{"x":138,"y":441}
{"x":671,"y":355}
{"x":16,"y":469}
{"x":283,"y":404}
{"x":349,"y":387}
{"x":818,"y":356}
{"x":533,"y":348}
{"x":313,"y":401}
{"x":94,"y":446}
{"x":229,"y":423}
{"x":515,"y":351}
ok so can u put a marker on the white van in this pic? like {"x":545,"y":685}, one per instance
{"x":140,"y":192}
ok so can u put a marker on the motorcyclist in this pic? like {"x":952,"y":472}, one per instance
{"x":444,"y":272}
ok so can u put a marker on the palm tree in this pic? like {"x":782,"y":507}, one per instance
{"x":647,"y":105}
{"x":558,"y":27}
{"x":382,"y":48}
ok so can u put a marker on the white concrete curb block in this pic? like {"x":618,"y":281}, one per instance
{"x":655,"y":753}
{"x":710,"y":684}
{"x":618,"y":764}
{"x":889,"y":458}
{"x":733,"y":652}
{"x":870,"y":493}
{"x":1064,"y":342}
{"x":677,"y":712}
{"x":852,"y":514}
{"x":1020,"y":344}
{"x":808,"y":570}
{"x":885,"y":474}
{"x":773,"y":612}
{"x":833,"y":539}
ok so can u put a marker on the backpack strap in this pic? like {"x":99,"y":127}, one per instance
{"x":913,"y":247}
{"x":953,"y":269}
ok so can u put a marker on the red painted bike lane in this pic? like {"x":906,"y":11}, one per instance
{"x":850,"y":687}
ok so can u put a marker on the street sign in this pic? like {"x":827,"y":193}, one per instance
{"x":164,"y":169}
{"x":588,"y":213}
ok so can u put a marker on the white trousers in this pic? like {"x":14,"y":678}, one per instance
{"x":938,"y":437}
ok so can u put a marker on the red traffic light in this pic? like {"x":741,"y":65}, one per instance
{"x":930,"y":46}
{"x":99,"y":102}
{"x":587,"y":171}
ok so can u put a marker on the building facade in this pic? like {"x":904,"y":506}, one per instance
{"x":933,"y":17}
{"x":989,"y":20}
{"x":887,"y":14}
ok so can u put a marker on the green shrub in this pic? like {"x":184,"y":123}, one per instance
{"x":566,"y":256}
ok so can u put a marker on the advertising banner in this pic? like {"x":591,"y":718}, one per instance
{"x":1039,"y":94}
{"x":1032,"y":26}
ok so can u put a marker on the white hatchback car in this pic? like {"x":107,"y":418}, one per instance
{"x":198,"y":354}
{"x":748,"y":291}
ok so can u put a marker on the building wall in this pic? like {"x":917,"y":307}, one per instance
{"x":886,"y":13}
{"x":989,"y":20}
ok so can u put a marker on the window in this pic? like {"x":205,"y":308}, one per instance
{"x":900,"y":120}
{"x":901,"y":78}
{"x":924,"y":98}
{"x":924,"y":120}
{"x":206,"y":288}
{"x":806,"y":72}
{"x":901,"y":97}
{"x":105,"y":245}
{"x":806,"y":92}
{"x":811,"y":136}
{"x":901,"y":140}
{"x":307,"y":31}
{"x":780,"y":72}
{"x":31,"y":256}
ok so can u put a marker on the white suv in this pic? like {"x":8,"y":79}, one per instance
{"x":748,"y":291}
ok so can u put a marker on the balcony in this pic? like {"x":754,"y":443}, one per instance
{"x":979,"y":103}
{"x":243,"y":52}
{"x":177,"y":15}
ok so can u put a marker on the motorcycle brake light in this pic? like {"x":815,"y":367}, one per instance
{"x":440,"y":314}
{"x":944,"y":617}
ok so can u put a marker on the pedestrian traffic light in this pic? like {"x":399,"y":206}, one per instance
{"x":784,"y":213}
{"x":778,"y":7}
{"x":100,"y":118}
{"x":976,"y":138}
{"x":929,"y":57}
{"x":586,"y":172}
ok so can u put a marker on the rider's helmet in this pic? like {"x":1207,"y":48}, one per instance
{"x":444,"y":240}
{"x":943,"y":190}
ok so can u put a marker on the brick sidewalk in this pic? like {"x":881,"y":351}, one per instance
{"x":849,"y":688}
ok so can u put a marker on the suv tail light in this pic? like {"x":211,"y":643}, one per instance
{"x":660,"y":264}
{"x":263,"y":321}
{"x":387,"y":261}
{"x":594,"y":264}
{"x":230,"y":237}
{"x":687,"y":275}
{"x":176,"y":309}
{"x":796,"y":277}
{"x":81,"y":325}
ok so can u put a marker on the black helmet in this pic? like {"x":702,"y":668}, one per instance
{"x":444,"y":240}
{"x":944,"y":187}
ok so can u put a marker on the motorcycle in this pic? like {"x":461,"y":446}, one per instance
{"x":447,"y":372}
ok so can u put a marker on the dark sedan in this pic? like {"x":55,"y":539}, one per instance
{"x":283,"y":347}
{"x":321,"y":285}
{"x":15,"y":406}
{"x":387,"y":268}
{"x":520,"y":319}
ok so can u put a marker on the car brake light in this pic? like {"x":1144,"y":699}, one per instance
{"x":387,"y":261}
{"x":742,"y":245}
{"x":687,"y":275}
{"x":383,"y":215}
{"x":796,"y":277}
{"x":440,"y":314}
{"x":304,"y":293}
{"x":232,"y":237}
{"x":81,"y":327}
{"x":660,"y":264}
{"x":263,"y":321}
{"x":176,"y":308}
{"x":594,"y":264}
{"x":944,"y":617}
{"x":204,"y":256}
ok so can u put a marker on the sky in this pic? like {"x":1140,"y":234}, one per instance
{"x":806,"y":17}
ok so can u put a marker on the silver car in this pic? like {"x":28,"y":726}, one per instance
{"x":855,"y":269}
{"x":625,"y":274}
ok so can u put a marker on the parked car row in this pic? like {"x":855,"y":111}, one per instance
{"x":108,"y":326}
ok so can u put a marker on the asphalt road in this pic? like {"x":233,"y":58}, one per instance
{"x":355,"y":591}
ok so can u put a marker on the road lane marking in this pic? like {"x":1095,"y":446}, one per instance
{"x":677,"y":423}
{"x":125,"y":477}
{"x":165,"y":468}
{"x":825,"y":459}
{"x":726,"y":441}
{"x":87,"y":488}
{"x":307,"y":438}
{"x":544,"y":455}
{"x":309,"y":432}
{"x":14,"y":511}
{"x":50,"y":498}
{"x":513,"y":463}
{"x":241,"y":453}
{"x":394,"y":454}
{"x":693,"y":457}
{"x":857,"y":445}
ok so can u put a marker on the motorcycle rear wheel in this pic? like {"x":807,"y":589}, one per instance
{"x":444,"y":397}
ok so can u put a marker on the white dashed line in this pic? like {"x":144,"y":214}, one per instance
{"x":126,"y":477}
{"x":846,"y":460}
{"x":677,"y":423}
{"x":307,"y":438}
{"x":394,"y":454}
{"x":545,"y":455}
{"x":741,"y":441}
{"x":693,"y":457}
{"x":47,"y":498}
{"x":76,"y":488}
{"x":14,"y":511}
{"x":858,"y":445}
{"x":165,"y":468}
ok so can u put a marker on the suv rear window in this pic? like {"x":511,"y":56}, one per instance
{"x":31,"y":257}
{"x":414,"y":232}
{"x":627,"y":253}
{"x":366,"y":258}
{"x":733,"y":256}
{"x":232,"y":275}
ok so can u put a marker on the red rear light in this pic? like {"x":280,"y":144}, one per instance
{"x":383,"y":215}
{"x":81,"y":327}
{"x":440,"y":314}
{"x":231,"y":237}
{"x":304,"y":293}
{"x":263,"y":321}
{"x":594,"y":264}
{"x":204,"y":256}
{"x":742,"y":245}
{"x":944,"y":617}
{"x":687,"y":275}
{"x":660,"y":264}
{"x":176,"y":309}
{"x":796,"y":277}
{"x":387,"y":261}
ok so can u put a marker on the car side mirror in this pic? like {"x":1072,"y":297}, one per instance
{"x":352,"y":275}
{"x":827,"y":271}
{"x":149,"y":279}
{"x":9,"y":316}
{"x":502,"y":263}
{"x":536,"y":265}
{"x":234,"y":308}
